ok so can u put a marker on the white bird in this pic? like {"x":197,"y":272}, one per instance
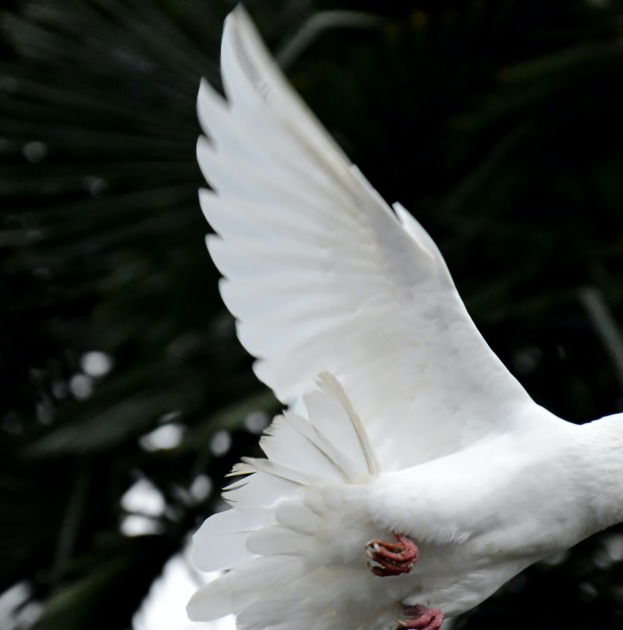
{"x":415,"y":475}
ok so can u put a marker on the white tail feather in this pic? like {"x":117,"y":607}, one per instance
{"x":280,"y":508}
{"x":240,"y":587}
{"x":341,"y":432}
{"x":261,"y":490}
{"x":221,"y":540}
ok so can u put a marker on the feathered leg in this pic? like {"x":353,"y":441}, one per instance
{"x":392,"y":558}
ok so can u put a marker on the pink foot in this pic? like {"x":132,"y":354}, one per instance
{"x":392,"y":558}
{"x":421,"y":618}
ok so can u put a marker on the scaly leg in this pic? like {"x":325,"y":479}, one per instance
{"x":392,"y":558}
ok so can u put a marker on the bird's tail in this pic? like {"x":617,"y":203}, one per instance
{"x":284,"y":516}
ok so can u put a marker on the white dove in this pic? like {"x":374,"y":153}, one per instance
{"x":415,"y":475}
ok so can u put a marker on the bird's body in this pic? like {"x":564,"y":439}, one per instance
{"x":485,"y":513}
{"x":414,"y":429}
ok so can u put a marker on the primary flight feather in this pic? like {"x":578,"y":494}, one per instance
{"x":413,"y":474}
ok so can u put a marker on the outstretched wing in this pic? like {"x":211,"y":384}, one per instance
{"x":322,"y":275}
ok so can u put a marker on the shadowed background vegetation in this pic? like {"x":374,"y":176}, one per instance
{"x":497,"y":123}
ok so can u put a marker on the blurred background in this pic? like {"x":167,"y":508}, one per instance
{"x":124,"y":395}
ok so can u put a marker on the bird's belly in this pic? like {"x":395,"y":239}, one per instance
{"x":521,"y":532}
{"x":457,"y":578}
{"x":460,"y":575}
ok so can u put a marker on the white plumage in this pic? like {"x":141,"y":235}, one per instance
{"x":414,"y":425}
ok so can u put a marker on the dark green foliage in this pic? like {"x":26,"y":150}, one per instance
{"x":497,"y":123}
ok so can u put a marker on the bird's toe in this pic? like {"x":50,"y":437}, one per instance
{"x":421,"y":618}
{"x":392,"y":558}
